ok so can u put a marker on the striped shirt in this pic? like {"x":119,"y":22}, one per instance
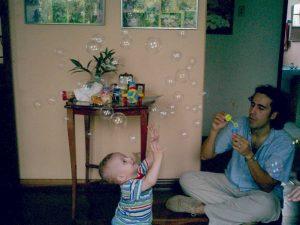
{"x":135,"y":206}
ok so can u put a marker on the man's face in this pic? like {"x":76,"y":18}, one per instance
{"x":120,"y":164}
{"x":260,"y":111}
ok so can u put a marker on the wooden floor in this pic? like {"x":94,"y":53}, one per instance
{"x":96,"y":205}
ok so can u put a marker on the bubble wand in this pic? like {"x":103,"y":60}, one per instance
{"x":228,"y":118}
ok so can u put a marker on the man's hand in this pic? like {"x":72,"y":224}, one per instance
{"x":242,"y":145}
{"x":294,"y":196}
{"x":219,"y":121}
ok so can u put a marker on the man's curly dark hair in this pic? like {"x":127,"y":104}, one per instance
{"x":280,"y":104}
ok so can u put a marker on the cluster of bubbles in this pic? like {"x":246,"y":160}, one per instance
{"x":94,"y":44}
{"x":61,"y":57}
{"x":274,"y":166}
{"x":126,"y":40}
{"x":295,"y":142}
{"x":38,"y":104}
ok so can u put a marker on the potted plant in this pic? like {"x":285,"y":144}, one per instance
{"x":99,"y":65}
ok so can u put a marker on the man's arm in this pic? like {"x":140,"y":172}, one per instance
{"x":208,"y":146}
{"x":261,"y":177}
{"x":152,"y":175}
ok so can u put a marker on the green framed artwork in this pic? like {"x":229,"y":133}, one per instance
{"x":159,"y":14}
{"x":89,"y":12}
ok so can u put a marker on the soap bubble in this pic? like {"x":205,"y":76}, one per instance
{"x":189,"y":67}
{"x":66,"y":118}
{"x":99,"y":39}
{"x":195,"y":83}
{"x":178,"y":96}
{"x":163,"y":114}
{"x":192,"y":61}
{"x":197,"y":123}
{"x":172,"y":109}
{"x":170,"y":81}
{"x":187,"y":107}
{"x":118,"y":119}
{"x":182,"y":75}
{"x":126,"y":42}
{"x":89,"y":133}
{"x":195,"y":108}
{"x":106,"y":112}
{"x":124,"y":32}
{"x":182,"y":33}
{"x":37,"y":104}
{"x":154,"y":108}
{"x":153,"y":45}
{"x":93,"y":47}
{"x":133,"y":139}
{"x":274,"y":166}
{"x":183,"y":134}
{"x":176,"y":55}
{"x":52,"y":101}
{"x":60,"y":52}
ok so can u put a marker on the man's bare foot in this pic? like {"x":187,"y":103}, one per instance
{"x":181,"y":203}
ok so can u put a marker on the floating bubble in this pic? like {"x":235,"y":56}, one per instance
{"x":189,"y":67}
{"x":163,"y":114}
{"x":274,"y":166}
{"x":154,"y":108}
{"x":192,"y":61}
{"x":59,"y":51}
{"x":66,"y":118}
{"x":93,"y":47}
{"x":89,"y":133}
{"x":124,"y":32}
{"x":199,"y":106}
{"x":195,"y":108}
{"x":178,"y":96}
{"x":176,"y":55}
{"x":153,"y":45}
{"x":126,"y":42}
{"x":118,"y":119}
{"x":172,"y":109}
{"x":37,"y":104}
{"x":182,"y":75}
{"x":197,"y":123}
{"x":194,"y":83}
{"x":133,"y":138}
{"x":170,"y":81}
{"x":106,"y":112}
{"x":187,"y":107}
{"x":52,"y":101}
{"x":99,"y":39}
{"x":183,"y":134}
{"x":182,"y":33}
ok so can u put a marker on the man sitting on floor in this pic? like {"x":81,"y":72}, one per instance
{"x":262,"y":157}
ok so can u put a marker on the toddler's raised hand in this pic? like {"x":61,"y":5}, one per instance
{"x":153,"y":133}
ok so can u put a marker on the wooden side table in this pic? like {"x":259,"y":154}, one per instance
{"x":87,"y":112}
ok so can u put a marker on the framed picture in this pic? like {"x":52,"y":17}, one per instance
{"x":219,"y":19}
{"x":159,"y":14}
{"x":140,"y":88}
{"x":91,"y":12}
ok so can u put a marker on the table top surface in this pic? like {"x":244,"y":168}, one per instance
{"x":70,"y":105}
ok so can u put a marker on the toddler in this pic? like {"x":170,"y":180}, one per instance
{"x":136,"y":182}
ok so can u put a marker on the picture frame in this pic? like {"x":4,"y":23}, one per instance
{"x":140,"y":88}
{"x":219,"y":18}
{"x":159,"y":14}
{"x":79,"y":12}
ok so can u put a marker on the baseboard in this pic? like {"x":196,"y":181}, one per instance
{"x":162,"y":184}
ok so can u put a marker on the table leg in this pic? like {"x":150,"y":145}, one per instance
{"x":87,"y":124}
{"x":72,"y":148}
{"x":144,"y":132}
